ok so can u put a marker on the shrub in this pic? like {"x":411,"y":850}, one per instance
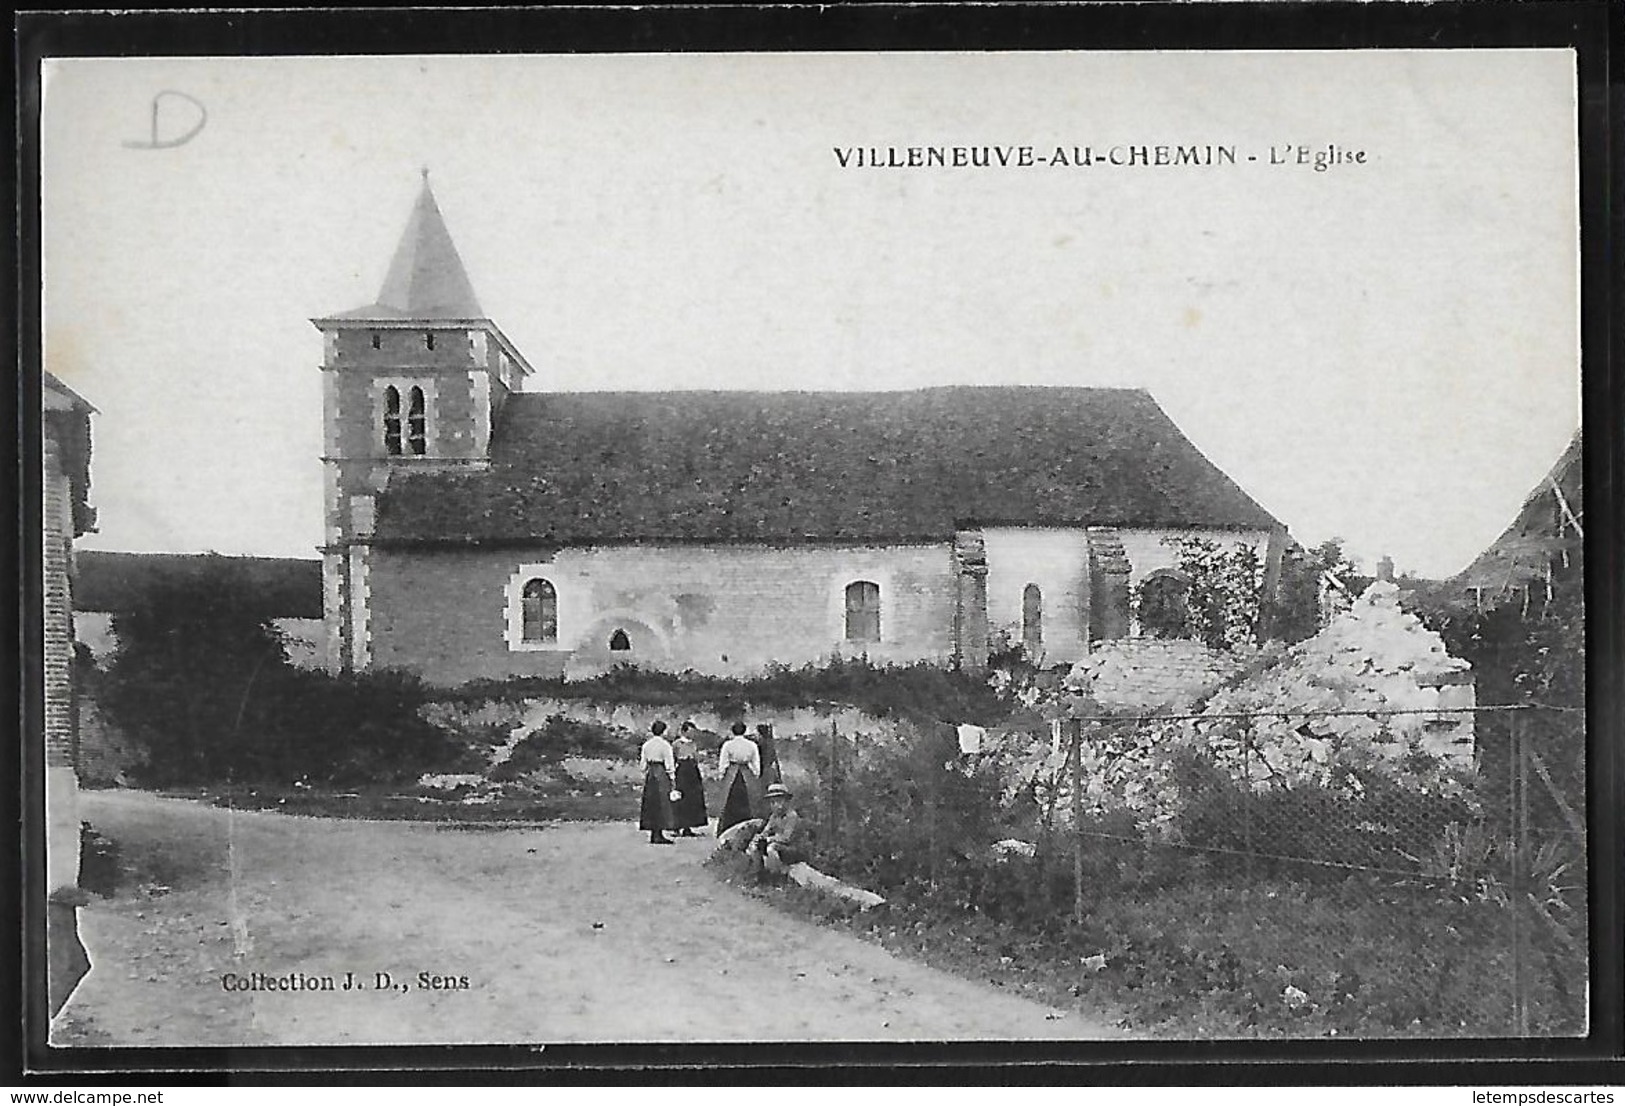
{"x":346,"y":729}
{"x":887,"y":814}
{"x":1224,"y":597}
{"x":202,"y":681}
{"x":184,"y":678}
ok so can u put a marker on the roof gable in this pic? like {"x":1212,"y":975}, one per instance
{"x":776,"y":467}
{"x":1549,"y":523}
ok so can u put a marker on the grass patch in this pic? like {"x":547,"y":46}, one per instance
{"x":1202,"y":956}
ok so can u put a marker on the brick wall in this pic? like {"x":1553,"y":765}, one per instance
{"x":58,"y":609}
{"x":61,"y":711}
{"x":722,"y":610}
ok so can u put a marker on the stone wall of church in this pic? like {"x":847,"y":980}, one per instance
{"x":454,"y":616}
{"x":1057,"y":561}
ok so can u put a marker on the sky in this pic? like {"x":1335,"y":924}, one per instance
{"x":1384,"y":352}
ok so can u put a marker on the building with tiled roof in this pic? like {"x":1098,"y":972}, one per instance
{"x":478,"y":530}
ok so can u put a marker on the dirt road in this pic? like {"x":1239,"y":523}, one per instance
{"x":569,"y":933}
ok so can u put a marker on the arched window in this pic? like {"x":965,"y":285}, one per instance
{"x":417,"y":424}
{"x":1164,"y":606}
{"x":862,"y":611}
{"x":392,"y":421}
{"x":1032,"y":618}
{"x":540,"y":611}
{"x":619,"y":642}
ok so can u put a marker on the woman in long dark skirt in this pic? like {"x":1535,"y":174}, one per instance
{"x":740,"y":764}
{"x":659,"y":767}
{"x":690,"y":806}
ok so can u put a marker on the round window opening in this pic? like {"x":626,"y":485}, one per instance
{"x":619,"y":642}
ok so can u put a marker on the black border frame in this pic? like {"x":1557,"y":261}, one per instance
{"x":1592,"y":28}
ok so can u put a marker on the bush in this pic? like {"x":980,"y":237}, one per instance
{"x":1365,"y":820}
{"x":201,"y":680}
{"x":183,"y":680}
{"x":890,"y":814}
{"x":346,"y":729}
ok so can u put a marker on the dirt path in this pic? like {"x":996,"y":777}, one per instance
{"x":573,"y":932}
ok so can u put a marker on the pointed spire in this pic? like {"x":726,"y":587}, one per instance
{"x":426,"y":279}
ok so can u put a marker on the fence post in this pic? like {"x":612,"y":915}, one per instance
{"x":1247,"y":795}
{"x":1520,"y":873}
{"x":1075,"y":755}
{"x":834,"y":787}
{"x":931,"y":819}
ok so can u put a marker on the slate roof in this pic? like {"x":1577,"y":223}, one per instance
{"x":426,"y":278}
{"x":788,"y":467}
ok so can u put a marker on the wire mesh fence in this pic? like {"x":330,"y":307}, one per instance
{"x":1371,"y":872}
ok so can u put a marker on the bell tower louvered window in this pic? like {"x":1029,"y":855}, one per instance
{"x":392,"y":421}
{"x":417,"y":424}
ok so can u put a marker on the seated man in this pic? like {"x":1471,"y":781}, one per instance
{"x":781,"y":841}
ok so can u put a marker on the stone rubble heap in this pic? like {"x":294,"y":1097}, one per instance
{"x":1375,"y":657}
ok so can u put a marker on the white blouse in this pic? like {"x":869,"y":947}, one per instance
{"x":657,"y":750}
{"x":742,"y":751}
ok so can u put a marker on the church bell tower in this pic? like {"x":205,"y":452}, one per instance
{"x":412,"y":383}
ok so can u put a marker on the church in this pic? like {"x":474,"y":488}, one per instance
{"x":479,"y":529}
